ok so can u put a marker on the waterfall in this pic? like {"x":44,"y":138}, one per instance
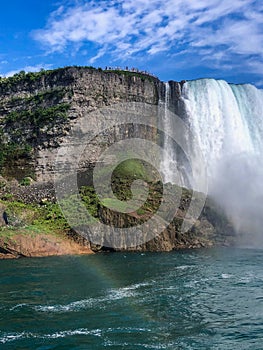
{"x":227,"y":123}
{"x":168,"y":152}
{"x":225,"y":119}
{"x":225,"y":126}
{"x":169,"y":164}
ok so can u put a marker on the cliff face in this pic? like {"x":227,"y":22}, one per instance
{"x":211,"y":229}
{"x":38,"y":110}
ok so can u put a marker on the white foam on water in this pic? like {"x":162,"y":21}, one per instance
{"x":110,"y":343}
{"x":184,"y":267}
{"x":12,"y":337}
{"x":128,"y":329}
{"x":6,"y":338}
{"x":245,"y":279}
{"x":226,"y":276}
{"x":18,"y":306}
{"x":75,"y":306}
{"x":81,"y":331}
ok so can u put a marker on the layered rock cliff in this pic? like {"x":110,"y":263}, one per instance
{"x":38,"y":112}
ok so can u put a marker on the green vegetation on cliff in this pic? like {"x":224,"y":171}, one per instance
{"x":38,"y":108}
{"x":16,"y":145}
{"x":48,"y":217}
{"x":7,"y":82}
{"x":25,"y":121}
{"x":31,"y":77}
{"x":42,"y":98}
{"x":11,"y":151}
{"x":38,"y":117}
{"x":43,"y":218}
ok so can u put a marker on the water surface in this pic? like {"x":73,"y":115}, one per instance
{"x":203,"y":299}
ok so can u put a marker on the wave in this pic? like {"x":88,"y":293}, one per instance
{"x":11,"y":337}
{"x":81,"y":331}
{"x":113,"y":294}
{"x":6,"y":338}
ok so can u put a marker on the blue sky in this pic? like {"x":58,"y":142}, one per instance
{"x":173,"y":39}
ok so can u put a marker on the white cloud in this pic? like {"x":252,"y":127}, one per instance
{"x":36,"y":68}
{"x":255,"y":66}
{"x":126,"y":28}
{"x":258,"y":83}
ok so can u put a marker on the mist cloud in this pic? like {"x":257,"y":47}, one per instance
{"x":238,"y":188}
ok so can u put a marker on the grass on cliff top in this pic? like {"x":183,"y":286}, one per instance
{"x":131,"y":168}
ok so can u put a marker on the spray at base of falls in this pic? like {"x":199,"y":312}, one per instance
{"x":226,"y":121}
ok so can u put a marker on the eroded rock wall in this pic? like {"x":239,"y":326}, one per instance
{"x":38,"y":112}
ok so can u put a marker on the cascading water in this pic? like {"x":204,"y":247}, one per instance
{"x":173,"y":171}
{"x":226,"y":127}
{"x":168,"y":154}
{"x":225,"y":119}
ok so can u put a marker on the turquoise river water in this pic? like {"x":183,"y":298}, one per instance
{"x":202,"y":299}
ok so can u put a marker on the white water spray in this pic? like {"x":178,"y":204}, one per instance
{"x":227,"y":123}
